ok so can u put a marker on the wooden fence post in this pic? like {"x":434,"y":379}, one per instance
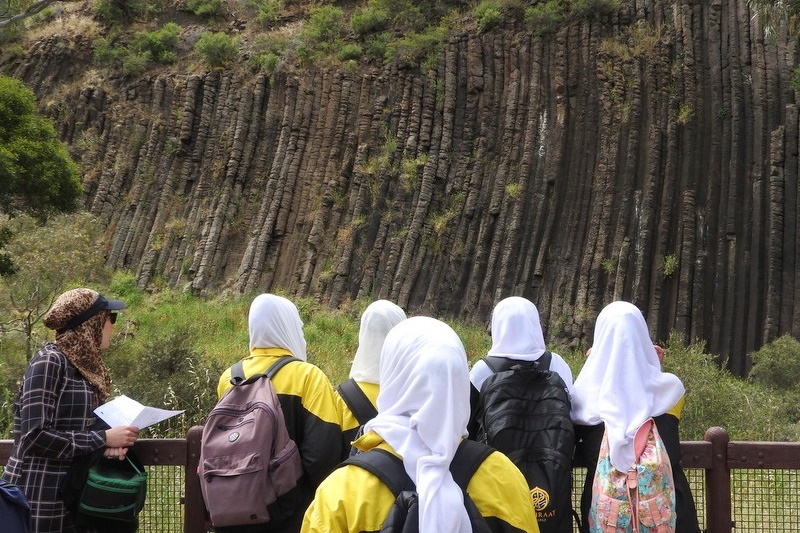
{"x":194,"y":520}
{"x":719,"y":515}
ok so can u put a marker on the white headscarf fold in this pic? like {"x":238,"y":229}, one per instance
{"x":274,"y":322}
{"x":423,"y":409}
{"x":516,"y":330}
{"x":621,"y":383}
{"x":377,"y":319}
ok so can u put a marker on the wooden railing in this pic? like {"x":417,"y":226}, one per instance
{"x":716,"y":455}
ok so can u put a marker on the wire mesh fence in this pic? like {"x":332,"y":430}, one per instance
{"x":766,"y":500}
{"x":163,"y":509}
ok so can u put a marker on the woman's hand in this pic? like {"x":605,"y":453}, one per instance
{"x":121,"y":436}
{"x":115,"y":453}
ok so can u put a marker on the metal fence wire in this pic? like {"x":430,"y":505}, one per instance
{"x":766,"y":500}
{"x":763,"y":500}
{"x":163,"y":509}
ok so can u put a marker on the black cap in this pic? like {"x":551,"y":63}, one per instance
{"x":102,"y":303}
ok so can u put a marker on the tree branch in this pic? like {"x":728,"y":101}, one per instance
{"x":32,"y":10}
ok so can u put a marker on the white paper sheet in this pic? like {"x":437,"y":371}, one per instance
{"x":124,"y":411}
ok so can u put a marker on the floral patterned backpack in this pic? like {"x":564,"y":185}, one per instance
{"x":641,"y":500}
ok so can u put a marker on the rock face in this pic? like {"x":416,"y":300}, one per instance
{"x":650,"y":155}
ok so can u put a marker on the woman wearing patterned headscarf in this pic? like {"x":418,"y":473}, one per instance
{"x":63,"y":384}
{"x":620,"y":386}
{"x":423,"y":408}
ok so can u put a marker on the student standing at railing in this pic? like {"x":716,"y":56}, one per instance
{"x":63,"y":384}
{"x":377,"y":319}
{"x":620,"y":386}
{"x":423,"y":408}
{"x":305,"y":393}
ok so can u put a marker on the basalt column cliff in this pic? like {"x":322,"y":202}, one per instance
{"x":649,"y":155}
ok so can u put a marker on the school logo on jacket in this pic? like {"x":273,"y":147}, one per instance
{"x":541,"y":499}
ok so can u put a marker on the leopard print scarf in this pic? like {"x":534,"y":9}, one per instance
{"x":81,"y":345}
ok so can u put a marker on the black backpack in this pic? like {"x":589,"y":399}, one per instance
{"x":524,"y":412}
{"x":404,"y":514}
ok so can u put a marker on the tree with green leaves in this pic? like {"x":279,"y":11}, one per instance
{"x":12,"y":11}
{"x":37,"y":175}
{"x":772,"y":12}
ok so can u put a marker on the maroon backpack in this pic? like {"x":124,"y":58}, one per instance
{"x":247,"y":459}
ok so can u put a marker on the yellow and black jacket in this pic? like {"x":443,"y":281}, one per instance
{"x":352,"y":499}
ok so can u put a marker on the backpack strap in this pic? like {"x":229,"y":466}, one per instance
{"x":501,"y":364}
{"x":390,"y":470}
{"x":357,"y":401}
{"x":384,"y":465}
{"x":237,"y":370}
{"x":470,"y":455}
{"x":277,"y":365}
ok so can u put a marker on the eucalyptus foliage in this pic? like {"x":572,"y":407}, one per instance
{"x":37,"y":175}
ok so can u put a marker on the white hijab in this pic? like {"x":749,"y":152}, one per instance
{"x":621,"y":383}
{"x":516,"y":330}
{"x":423,"y":409}
{"x":274,"y":322}
{"x":378,"y":318}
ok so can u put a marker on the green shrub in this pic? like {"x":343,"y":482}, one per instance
{"x":123,"y":287}
{"x":269,"y":11}
{"x":325,"y":25}
{"x":268,"y":62}
{"x":545,"y":17}
{"x":685,"y":113}
{"x":209,"y":9}
{"x":585,"y":8}
{"x":370,"y":19}
{"x":122,"y":11}
{"x":777,"y":364}
{"x":322,"y":33}
{"x":378,"y":44}
{"x":176,"y":377}
{"x":161,"y":44}
{"x":411,"y":15}
{"x":134,"y":63}
{"x":670,"y":265}
{"x":217,"y":48}
{"x":795,"y":79}
{"x":349,"y":51}
{"x":145,"y":48}
{"x":714,"y":397}
{"x":267,"y":51}
{"x":106,"y":53}
{"x":487,"y":14}
{"x":417,"y":49}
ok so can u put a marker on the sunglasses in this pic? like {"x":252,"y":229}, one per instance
{"x":112,"y":317}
